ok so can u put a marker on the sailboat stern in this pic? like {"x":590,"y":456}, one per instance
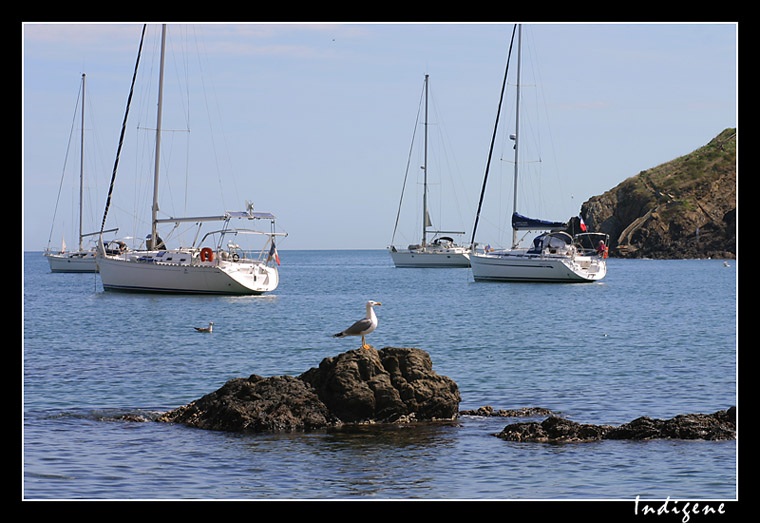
{"x":257,"y":278}
{"x":588,"y":268}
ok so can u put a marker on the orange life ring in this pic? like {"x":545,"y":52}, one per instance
{"x":207,"y":254}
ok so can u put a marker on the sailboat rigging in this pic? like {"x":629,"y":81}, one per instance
{"x":218,"y":269}
{"x":555,"y":255}
{"x":442,"y":251}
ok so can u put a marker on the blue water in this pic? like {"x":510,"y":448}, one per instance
{"x":655,"y":338}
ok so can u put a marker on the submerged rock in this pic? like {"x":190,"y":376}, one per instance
{"x":358,"y":386}
{"x":720,"y":425}
{"x":525,"y":412}
{"x":553,"y":429}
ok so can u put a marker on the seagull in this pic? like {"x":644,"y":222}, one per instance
{"x":205,"y":329}
{"x":363,"y":326}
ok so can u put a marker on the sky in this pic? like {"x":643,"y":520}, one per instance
{"x":314,"y":122}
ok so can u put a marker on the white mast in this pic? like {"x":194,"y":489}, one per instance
{"x":153,"y":233}
{"x":424,"y":167}
{"x":517,"y":129}
{"x":81,"y":166}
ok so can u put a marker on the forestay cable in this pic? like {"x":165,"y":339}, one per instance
{"x":123,"y":129}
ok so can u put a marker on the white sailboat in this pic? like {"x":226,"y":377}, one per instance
{"x":554,"y":256}
{"x":80,"y":260}
{"x":218,"y":268}
{"x":71,"y":261}
{"x":441,"y":251}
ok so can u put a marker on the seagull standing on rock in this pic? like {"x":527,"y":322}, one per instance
{"x":363,"y":326}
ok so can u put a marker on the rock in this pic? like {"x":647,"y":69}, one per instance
{"x":385,"y":385}
{"x":525,"y":412}
{"x":718,"y":426}
{"x":424,"y":393}
{"x":256,"y":404}
{"x":553,"y":430}
{"x":362,"y":385}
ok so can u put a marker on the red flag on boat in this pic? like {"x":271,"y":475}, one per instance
{"x":583,"y":224}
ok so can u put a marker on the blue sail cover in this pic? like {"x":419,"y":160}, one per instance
{"x":523,"y":223}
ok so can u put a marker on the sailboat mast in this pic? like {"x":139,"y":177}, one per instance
{"x":81,"y":165}
{"x":153,"y":232}
{"x":424,"y":167}
{"x":517,"y":130}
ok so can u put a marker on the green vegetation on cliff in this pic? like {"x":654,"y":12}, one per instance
{"x":685,"y":208}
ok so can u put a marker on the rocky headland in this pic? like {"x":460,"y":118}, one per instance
{"x":685,"y":208}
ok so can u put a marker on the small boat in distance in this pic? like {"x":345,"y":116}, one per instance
{"x":441,"y":251}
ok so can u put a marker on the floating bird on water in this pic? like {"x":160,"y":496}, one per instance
{"x":205,"y":329}
{"x":363,"y":326}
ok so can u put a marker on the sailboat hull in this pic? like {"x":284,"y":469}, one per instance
{"x":413,"y":259}
{"x":536,"y":268}
{"x":72,"y":262}
{"x":229,"y":278}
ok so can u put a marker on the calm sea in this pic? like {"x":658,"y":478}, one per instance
{"x":655,"y":338}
